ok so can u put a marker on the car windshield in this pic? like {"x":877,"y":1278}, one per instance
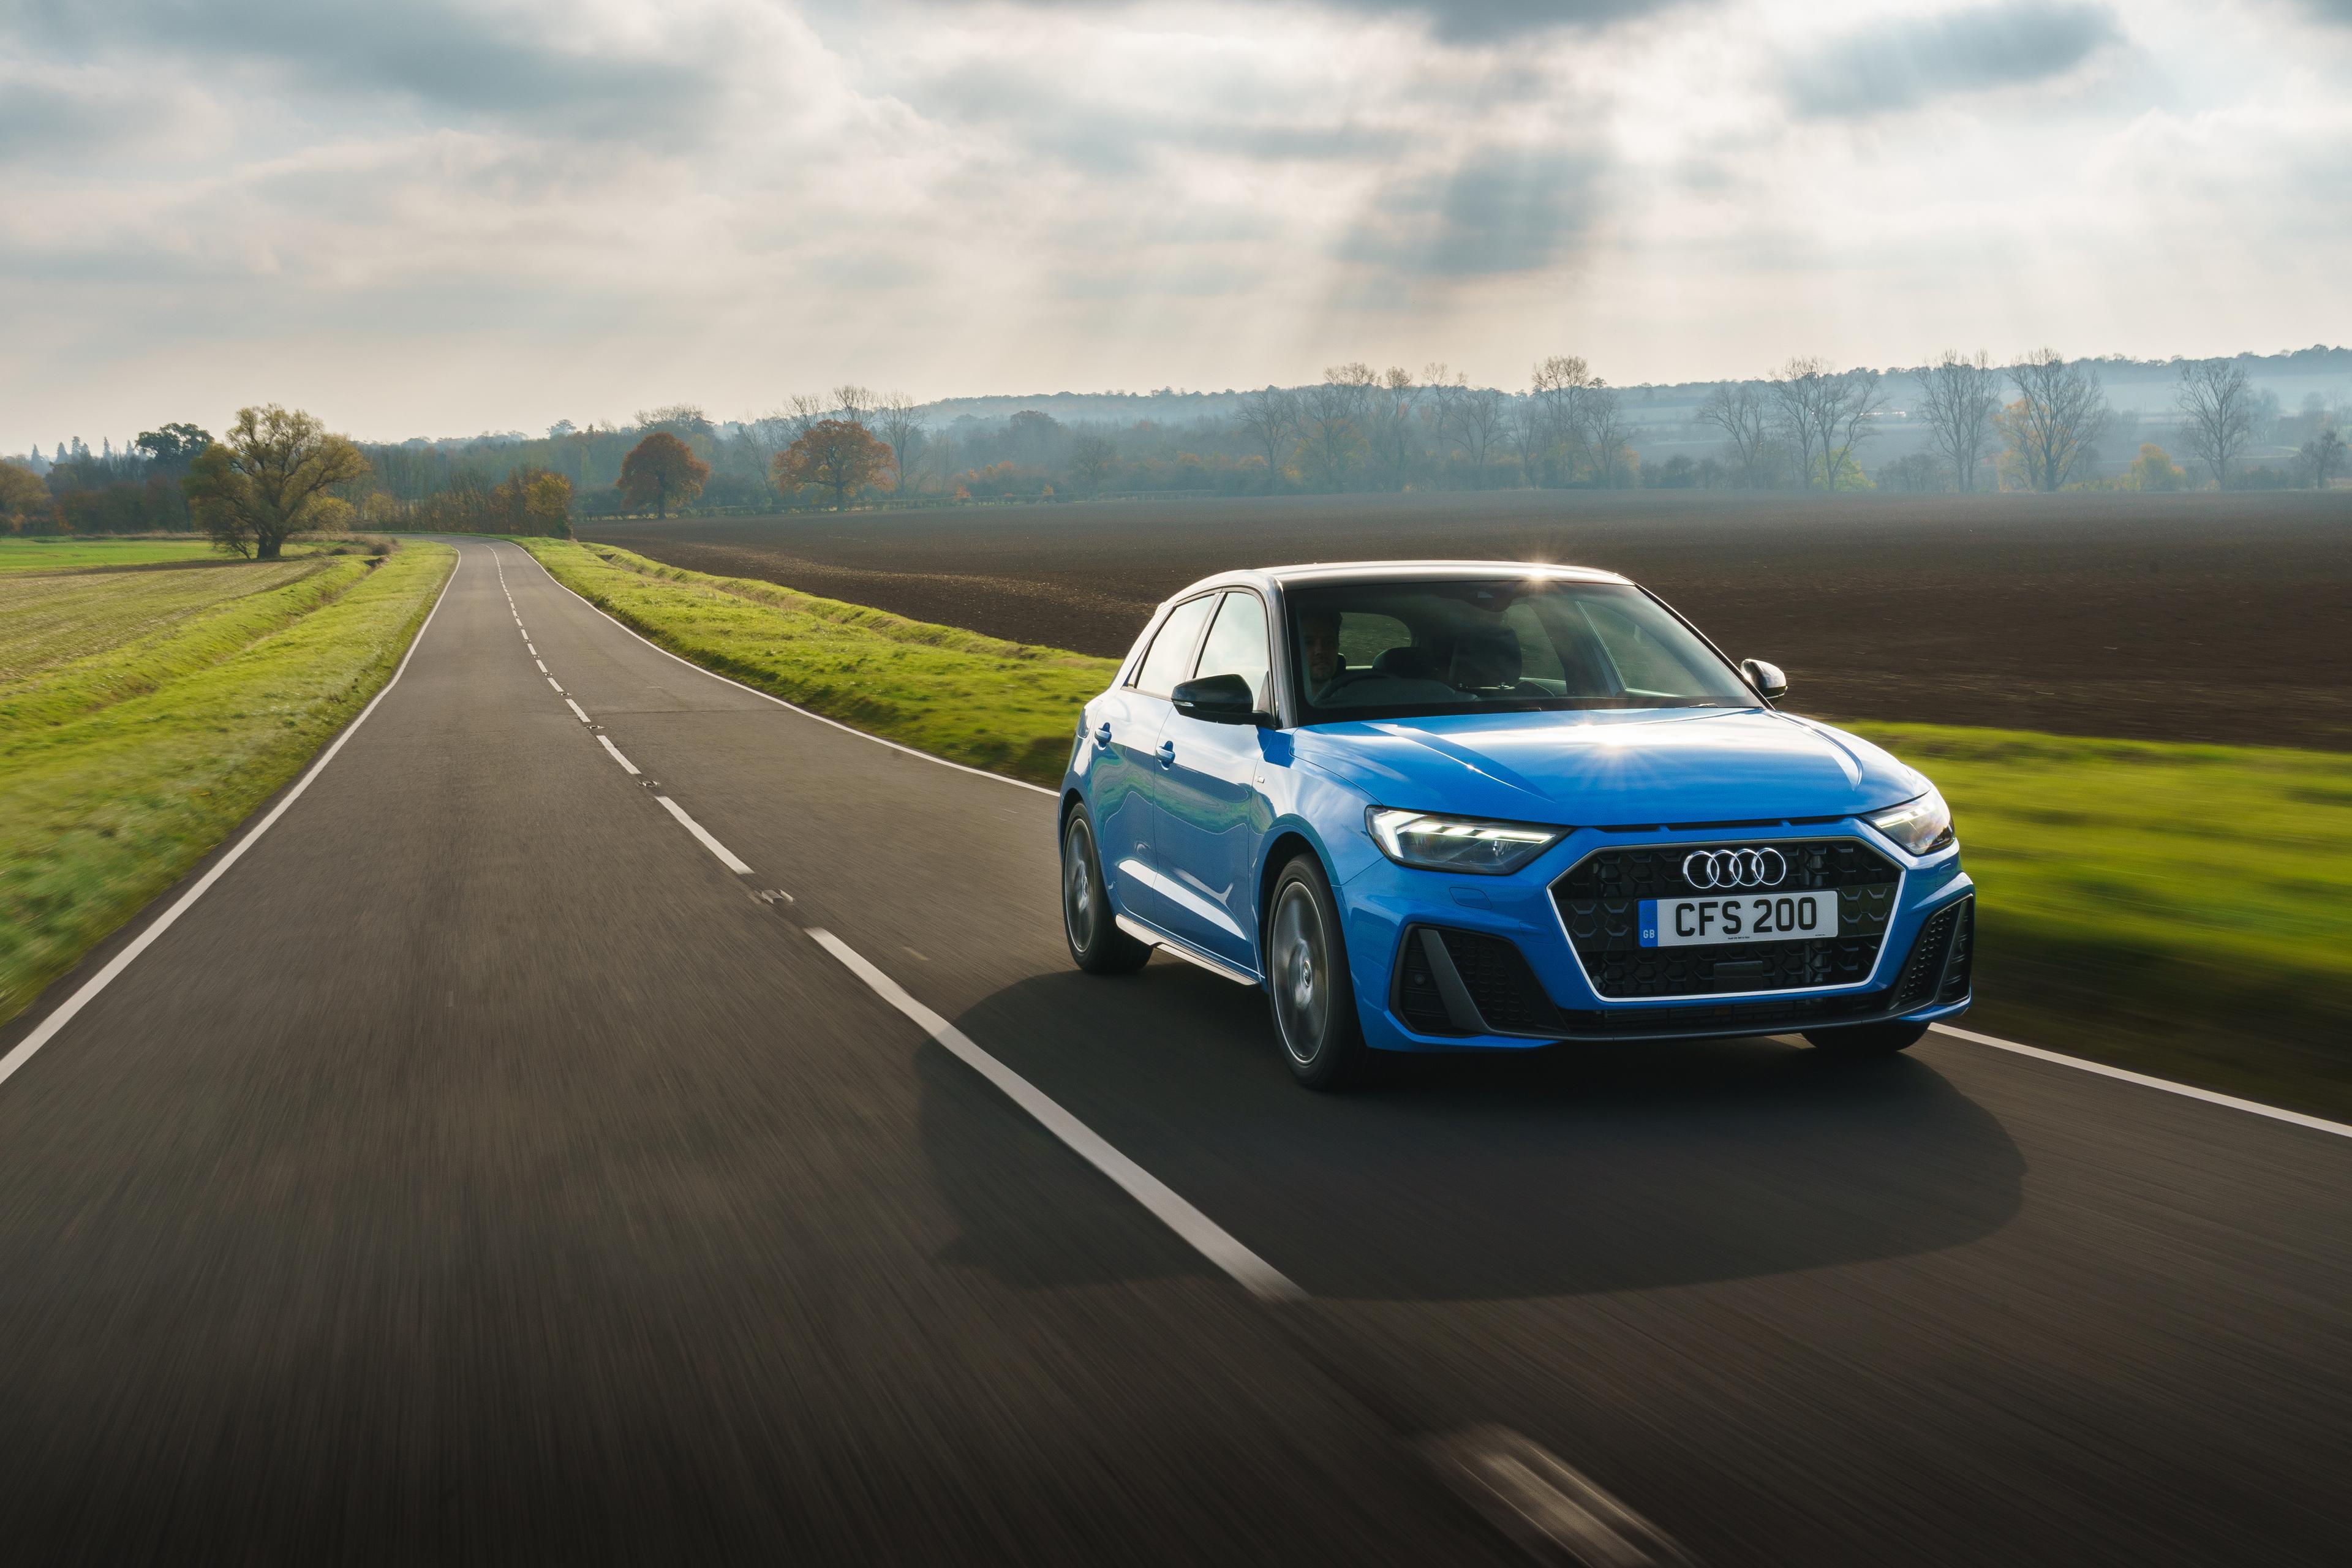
{"x":1405,"y":649}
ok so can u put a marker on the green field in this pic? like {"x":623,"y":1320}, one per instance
{"x":2182,"y":910}
{"x":144,"y":714}
{"x":81,"y":554}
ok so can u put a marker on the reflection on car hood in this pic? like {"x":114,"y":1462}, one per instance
{"x":1613,"y":768}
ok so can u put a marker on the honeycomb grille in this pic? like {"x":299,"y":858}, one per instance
{"x":1600,"y":901}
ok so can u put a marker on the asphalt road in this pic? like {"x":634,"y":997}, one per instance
{"x":482,"y":1170}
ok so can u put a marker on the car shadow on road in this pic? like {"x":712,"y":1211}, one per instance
{"x":1560,"y":1172}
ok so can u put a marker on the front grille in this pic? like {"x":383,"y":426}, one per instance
{"x":1600,"y":902}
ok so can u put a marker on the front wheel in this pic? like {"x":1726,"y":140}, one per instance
{"x":1307,"y":979}
{"x":1866,"y":1040}
{"x":1096,"y":944}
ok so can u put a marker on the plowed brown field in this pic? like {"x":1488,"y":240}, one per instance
{"x":2196,"y":617}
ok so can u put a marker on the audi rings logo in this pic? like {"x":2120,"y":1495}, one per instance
{"x":1735,"y":869}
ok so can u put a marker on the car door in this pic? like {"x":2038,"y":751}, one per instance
{"x":1123,"y":787}
{"x":1212,"y":813}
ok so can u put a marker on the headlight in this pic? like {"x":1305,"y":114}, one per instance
{"x":1457,"y":843}
{"x":1920,"y":826}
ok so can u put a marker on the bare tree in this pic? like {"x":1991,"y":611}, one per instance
{"x":2058,"y":418}
{"x":895,"y":418}
{"x":1958,"y":398}
{"x":1393,"y":402}
{"x":1825,"y":415}
{"x":2321,"y":454}
{"x":1603,"y":433}
{"x":1560,"y":388}
{"x":1527,"y":425}
{"x":1271,"y":417}
{"x":800,"y":414}
{"x":853,"y":403}
{"x":1331,"y":419}
{"x":1478,"y":418}
{"x":1743,"y":414}
{"x":2219,"y":402}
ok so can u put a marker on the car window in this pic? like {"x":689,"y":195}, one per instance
{"x":1236,"y":643}
{"x":1397,"y":648}
{"x":1171,"y":651}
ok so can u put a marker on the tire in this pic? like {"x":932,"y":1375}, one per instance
{"x":1858,"y":1040}
{"x":1307,"y":984}
{"x":1096,"y":944}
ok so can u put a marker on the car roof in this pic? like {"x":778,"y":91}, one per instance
{"x":1321,"y":572}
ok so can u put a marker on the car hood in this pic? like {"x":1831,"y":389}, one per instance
{"x":1613,"y":768}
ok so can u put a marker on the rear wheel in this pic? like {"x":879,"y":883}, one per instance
{"x":1307,"y":979}
{"x":1866,"y":1040}
{"x":1096,"y":944}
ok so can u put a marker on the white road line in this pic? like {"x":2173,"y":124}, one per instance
{"x":1551,"y":1508}
{"x":625,"y":762}
{"x":1253,"y":1273}
{"x":45,"y":1031}
{"x":528,"y":648}
{"x":726,"y":856}
{"x":576,"y":708}
{"x":2250,"y":1107}
{"x":558,"y":690}
{"x":542,"y":665}
{"x":959,"y":767}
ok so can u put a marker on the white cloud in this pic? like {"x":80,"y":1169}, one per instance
{"x":438,"y":216}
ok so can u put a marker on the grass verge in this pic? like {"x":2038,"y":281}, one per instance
{"x":1008,"y":707}
{"x":121,"y":768}
{"x":2184,"y":910}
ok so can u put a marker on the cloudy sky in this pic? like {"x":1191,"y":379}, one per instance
{"x":439,"y":217}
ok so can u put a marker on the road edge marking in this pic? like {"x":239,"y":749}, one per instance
{"x":772,"y":697}
{"x":2191,"y":1092}
{"x":1207,"y":1238}
{"x":66,"y":1011}
{"x":702,"y":833}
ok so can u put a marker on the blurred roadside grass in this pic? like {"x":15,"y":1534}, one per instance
{"x":2183,"y":909}
{"x":1008,"y":707}
{"x":184,"y":700}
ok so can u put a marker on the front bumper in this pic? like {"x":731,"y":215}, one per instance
{"x":1453,"y":962}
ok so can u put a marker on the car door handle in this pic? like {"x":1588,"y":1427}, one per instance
{"x":1102,"y":735}
{"x":1167,"y":753}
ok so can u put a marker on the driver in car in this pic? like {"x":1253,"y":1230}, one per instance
{"x":1318,"y":639}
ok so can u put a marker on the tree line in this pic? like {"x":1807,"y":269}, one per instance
{"x":2039,"y":424}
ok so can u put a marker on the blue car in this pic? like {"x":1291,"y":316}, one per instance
{"x":1485,"y":805}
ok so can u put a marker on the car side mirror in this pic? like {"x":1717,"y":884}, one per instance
{"x":1216,"y":699}
{"x":1765,"y":678}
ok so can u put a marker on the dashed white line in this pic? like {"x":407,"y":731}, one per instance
{"x":576,"y":708}
{"x":528,"y":648}
{"x":2250,"y":1107}
{"x":726,"y":856}
{"x":625,"y":762}
{"x":1207,"y":1238}
{"x":558,"y":690}
{"x":542,"y":665}
{"x":803,"y":712}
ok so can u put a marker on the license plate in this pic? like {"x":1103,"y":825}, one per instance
{"x":1744,"y":916}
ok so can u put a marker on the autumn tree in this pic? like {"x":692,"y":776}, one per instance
{"x":1958,"y":396}
{"x":2053,"y":427}
{"x":662,"y":469}
{"x":270,"y":479}
{"x":23,"y":498}
{"x":838,"y":455}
